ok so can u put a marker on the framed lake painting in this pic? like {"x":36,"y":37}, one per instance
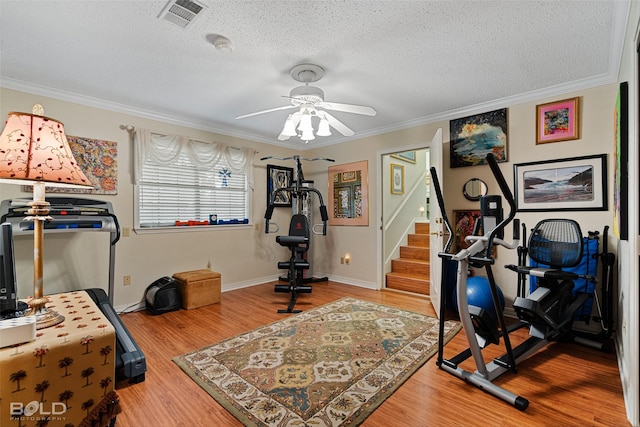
{"x":473,"y":137}
{"x":573,"y":184}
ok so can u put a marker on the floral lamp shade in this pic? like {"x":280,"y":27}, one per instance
{"x":34,"y":148}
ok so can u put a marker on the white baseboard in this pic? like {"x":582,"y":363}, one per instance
{"x":126,"y":308}
{"x":354,"y":282}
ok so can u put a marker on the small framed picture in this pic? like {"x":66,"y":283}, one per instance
{"x":397,"y":179}
{"x":558,"y":121}
{"x":279,"y":177}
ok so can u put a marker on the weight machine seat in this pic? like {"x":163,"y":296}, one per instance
{"x":298,"y":242}
{"x":299,"y":235}
{"x":292,"y":240}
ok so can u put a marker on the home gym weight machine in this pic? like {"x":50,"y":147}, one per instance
{"x":300,"y":230}
{"x":548,"y":311}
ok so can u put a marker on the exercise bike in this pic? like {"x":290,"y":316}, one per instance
{"x":299,"y":238}
{"x":548,"y":311}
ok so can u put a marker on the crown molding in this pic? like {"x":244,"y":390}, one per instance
{"x":603,"y":79}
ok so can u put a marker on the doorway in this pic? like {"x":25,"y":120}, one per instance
{"x":405,"y":200}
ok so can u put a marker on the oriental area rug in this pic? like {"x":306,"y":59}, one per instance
{"x":328,"y":366}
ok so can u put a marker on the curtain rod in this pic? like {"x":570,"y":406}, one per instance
{"x":131,"y":129}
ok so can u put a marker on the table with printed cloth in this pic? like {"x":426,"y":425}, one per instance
{"x":66,"y":376}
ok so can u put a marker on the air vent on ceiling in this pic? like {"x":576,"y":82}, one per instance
{"x":181,"y":12}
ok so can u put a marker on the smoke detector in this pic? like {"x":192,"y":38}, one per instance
{"x":181,"y":12}
{"x":221,"y":43}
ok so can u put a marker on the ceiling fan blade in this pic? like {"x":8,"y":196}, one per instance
{"x":348,"y":108}
{"x":286,"y":107}
{"x":338,"y":125}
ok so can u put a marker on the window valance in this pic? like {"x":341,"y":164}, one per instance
{"x":159,"y":149}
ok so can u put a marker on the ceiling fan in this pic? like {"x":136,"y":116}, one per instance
{"x":309,"y":100}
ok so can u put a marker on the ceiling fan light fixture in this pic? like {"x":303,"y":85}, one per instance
{"x":323,"y":127}
{"x":309,"y":101}
{"x":305,"y":123}
{"x":289,"y":128}
{"x":307,"y":135}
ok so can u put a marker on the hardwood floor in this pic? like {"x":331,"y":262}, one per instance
{"x":566,"y":384}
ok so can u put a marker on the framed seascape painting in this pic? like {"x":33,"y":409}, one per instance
{"x":557,"y":121}
{"x":279,"y":177}
{"x":473,"y":137}
{"x":572,"y":184}
{"x":348,"y":194}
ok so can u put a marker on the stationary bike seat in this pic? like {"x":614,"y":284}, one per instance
{"x":547,"y":273}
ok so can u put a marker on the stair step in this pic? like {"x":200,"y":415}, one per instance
{"x":416,"y":267}
{"x":422,"y":228}
{"x":415,"y":252}
{"x":408,"y":283}
{"x":410,"y":272}
{"x":421,"y":240}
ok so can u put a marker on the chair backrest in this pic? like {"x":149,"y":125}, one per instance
{"x":299,"y":226}
{"x":556,"y":243}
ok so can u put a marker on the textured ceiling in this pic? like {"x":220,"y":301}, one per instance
{"x":413,"y":61}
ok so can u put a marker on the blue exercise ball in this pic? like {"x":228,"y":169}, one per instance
{"x":479,"y":294}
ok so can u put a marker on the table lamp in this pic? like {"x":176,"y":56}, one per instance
{"x":34,"y":151}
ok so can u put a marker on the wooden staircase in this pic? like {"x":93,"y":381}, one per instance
{"x":410,"y":272}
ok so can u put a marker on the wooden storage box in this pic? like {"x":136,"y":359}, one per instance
{"x":198,"y":288}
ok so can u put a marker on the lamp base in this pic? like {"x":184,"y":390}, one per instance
{"x":45,"y":317}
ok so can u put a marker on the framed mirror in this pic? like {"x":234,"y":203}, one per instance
{"x":474,"y":189}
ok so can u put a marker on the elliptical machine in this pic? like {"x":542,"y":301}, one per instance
{"x":548,"y":312}
{"x":299,"y":238}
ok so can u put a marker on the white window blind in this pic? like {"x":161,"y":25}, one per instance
{"x":175,"y":191}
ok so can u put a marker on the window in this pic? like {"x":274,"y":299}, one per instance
{"x":181,"y":182}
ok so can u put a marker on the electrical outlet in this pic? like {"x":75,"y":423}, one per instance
{"x":256,"y":226}
{"x":126,"y":232}
{"x":341,"y":260}
{"x":126,"y":280}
